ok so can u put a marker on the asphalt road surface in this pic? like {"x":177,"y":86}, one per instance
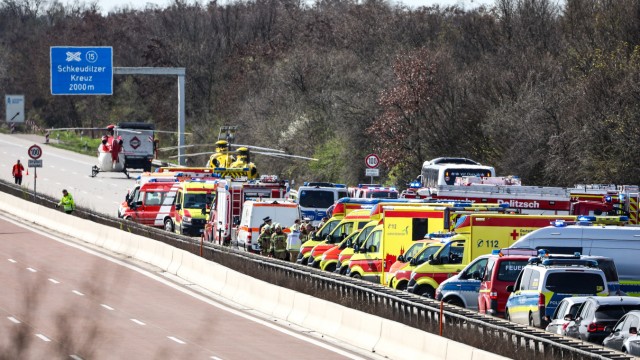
{"x":62,"y":300}
{"x":64,"y":169}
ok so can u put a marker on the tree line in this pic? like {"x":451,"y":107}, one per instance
{"x":544,"y":90}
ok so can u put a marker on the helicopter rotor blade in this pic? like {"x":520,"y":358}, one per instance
{"x":258,"y":148}
{"x":171,"y":132}
{"x":188,"y":155}
{"x":285,"y":156}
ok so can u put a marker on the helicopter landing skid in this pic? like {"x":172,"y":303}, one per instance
{"x":94,"y":171}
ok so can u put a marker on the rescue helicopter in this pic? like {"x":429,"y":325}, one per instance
{"x":127,"y":145}
{"x":235,"y":161}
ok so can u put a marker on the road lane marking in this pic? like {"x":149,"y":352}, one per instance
{"x":107,"y":307}
{"x":138,"y":322}
{"x":191,"y":293}
{"x":77,"y":292}
{"x":216,"y":358}
{"x":75,"y":357}
{"x":32,"y":269}
{"x":176,"y":340}
{"x":13,"y":320}
{"x":43,"y":338}
{"x":54,"y":281}
{"x":12,"y":261}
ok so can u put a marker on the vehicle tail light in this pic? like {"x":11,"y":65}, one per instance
{"x":593,"y":327}
{"x":493,"y":295}
{"x":541,"y":300}
{"x":249,"y":237}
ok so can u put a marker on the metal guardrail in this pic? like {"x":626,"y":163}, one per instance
{"x":480,"y":331}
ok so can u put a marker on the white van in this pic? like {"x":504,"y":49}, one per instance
{"x":254,"y":211}
{"x":316,"y":198}
{"x":622,"y":243}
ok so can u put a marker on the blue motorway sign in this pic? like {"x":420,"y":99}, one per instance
{"x":81,"y":70}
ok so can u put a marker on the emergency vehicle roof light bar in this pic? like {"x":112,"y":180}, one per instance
{"x":515,"y":251}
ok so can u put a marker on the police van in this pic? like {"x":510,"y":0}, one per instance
{"x":543,"y":283}
{"x":317,"y":197}
{"x":621,"y":243}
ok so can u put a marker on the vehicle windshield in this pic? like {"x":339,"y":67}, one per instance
{"x":413,"y":251}
{"x":363,"y":236}
{"x":197,"y":201}
{"x":384,"y":195}
{"x":452,"y":174}
{"x":510,"y":269}
{"x":575,"y":283}
{"x":316,"y":198}
{"x":326,"y":229}
{"x":430,"y":250}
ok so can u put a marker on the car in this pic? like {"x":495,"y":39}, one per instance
{"x":565,"y":313}
{"x":598,"y":313}
{"x":624,"y":336}
{"x":502,"y":271}
{"x":543,"y":283}
{"x":462,"y":289}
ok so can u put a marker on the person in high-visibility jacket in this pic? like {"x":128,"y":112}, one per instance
{"x":67,"y":203}
{"x":278,"y":247}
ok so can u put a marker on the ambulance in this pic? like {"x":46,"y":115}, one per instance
{"x":227,"y":207}
{"x":192,"y":205}
{"x":254,"y":211}
{"x":150,"y":203}
{"x":341,"y":209}
{"x":354,"y":221}
{"x":346,"y":251}
{"x":398,"y":229}
{"x":475,"y":235}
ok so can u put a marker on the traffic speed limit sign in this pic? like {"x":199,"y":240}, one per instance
{"x":35,"y":152}
{"x":372,"y":161}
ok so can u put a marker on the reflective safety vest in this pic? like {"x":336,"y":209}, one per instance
{"x":278,"y":242}
{"x":67,"y":202}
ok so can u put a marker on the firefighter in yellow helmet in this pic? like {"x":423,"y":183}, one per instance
{"x":243,"y":162}
{"x":222,"y":158}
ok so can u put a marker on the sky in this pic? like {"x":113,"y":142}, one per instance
{"x":108,"y":5}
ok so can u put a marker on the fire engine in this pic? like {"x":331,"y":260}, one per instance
{"x":230,"y":196}
{"x":579,"y":200}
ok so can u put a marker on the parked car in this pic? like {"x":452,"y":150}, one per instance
{"x":624,"y":336}
{"x":542,"y":284}
{"x":565,"y":313}
{"x":502,"y":271}
{"x":462,"y":289}
{"x":598,"y":313}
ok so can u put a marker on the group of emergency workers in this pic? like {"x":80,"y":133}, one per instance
{"x":274,"y":242}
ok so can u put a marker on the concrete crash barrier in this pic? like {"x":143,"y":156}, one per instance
{"x":385,"y":337}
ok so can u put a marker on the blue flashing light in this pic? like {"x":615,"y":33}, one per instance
{"x":415,"y":184}
{"x":543,"y":252}
{"x":341,"y":186}
{"x":586,"y":218}
{"x":504,"y":205}
{"x":607,"y":198}
{"x":559,"y":223}
{"x":624,"y":218}
{"x":495,"y":252}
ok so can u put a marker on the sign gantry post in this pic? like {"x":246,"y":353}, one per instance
{"x":85,"y":70}
{"x":34,"y":152}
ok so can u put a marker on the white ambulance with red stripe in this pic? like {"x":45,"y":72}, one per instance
{"x":254,"y":211}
